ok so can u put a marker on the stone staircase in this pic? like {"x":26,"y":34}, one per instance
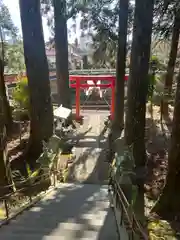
{"x":70,"y":212}
{"x":77,"y":210}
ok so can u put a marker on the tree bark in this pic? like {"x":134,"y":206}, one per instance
{"x":85,"y":62}
{"x":4,"y":176}
{"x":7,"y":114}
{"x":137,"y":93}
{"x":170,"y":197}
{"x":138,"y":79}
{"x":121,"y":65}
{"x":172,"y":61}
{"x":41,"y":111}
{"x":61,"y":45}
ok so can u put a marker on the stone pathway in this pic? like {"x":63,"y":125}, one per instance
{"x":74,"y":210}
{"x":90,"y":165}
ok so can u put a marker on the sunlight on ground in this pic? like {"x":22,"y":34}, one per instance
{"x":89,"y":222}
{"x":2,"y":214}
{"x":83,"y":170}
{"x":160,"y":230}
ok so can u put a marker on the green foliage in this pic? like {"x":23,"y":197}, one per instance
{"x":32,"y":174}
{"x":154,"y":63}
{"x":151,"y":85}
{"x":29,"y":172}
{"x":11,"y":54}
{"x":21,"y":93}
{"x":99,"y":22}
{"x":152,"y":78}
{"x":6,"y":24}
{"x":125,"y":161}
{"x":164,"y":14}
{"x":102,"y":18}
{"x":122,"y":170}
{"x":47,"y":161}
{"x":7,"y":29}
{"x":105,"y":51}
{"x":160,"y":49}
{"x":14,"y":57}
{"x":50,"y":153}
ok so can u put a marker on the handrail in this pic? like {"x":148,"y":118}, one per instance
{"x":23,"y":181}
{"x":134,"y":224}
{"x":122,"y":197}
{"x":132,"y":220}
{"x":45,"y":176}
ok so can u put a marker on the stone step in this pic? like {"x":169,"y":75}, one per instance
{"x":73,"y":211}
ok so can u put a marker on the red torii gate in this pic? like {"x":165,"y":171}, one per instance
{"x":80,"y":81}
{"x":77,"y":82}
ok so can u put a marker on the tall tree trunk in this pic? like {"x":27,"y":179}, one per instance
{"x":121,"y":65}
{"x":85,"y":62}
{"x":61,"y":45}
{"x":7,"y":114}
{"x":38,"y":74}
{"x":138,"y":79}
{"x":6,"y":107}
{"x":172,"y":61}
{"x":138,"y":89}
{"x":4,"y":178}
{"x":170,"y":197}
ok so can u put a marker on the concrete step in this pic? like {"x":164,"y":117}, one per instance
{"x":73,"y":211}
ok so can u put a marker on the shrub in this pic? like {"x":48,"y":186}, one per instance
{"x":21,"y":93}
{"x":154,"y":63}
{"x":151,"y":85}
{"x":154,"y":66}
